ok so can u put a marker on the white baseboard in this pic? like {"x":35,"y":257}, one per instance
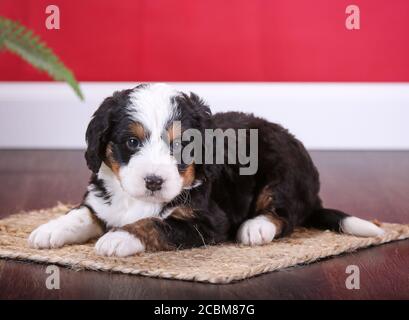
{"x":322,"y":115}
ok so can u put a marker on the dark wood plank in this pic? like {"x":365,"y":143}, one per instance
{"x":367,"y":184}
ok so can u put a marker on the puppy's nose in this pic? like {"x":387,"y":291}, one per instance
{"x":153,"y":183}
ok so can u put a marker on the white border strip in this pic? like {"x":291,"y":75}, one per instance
{"x":322,"y":115}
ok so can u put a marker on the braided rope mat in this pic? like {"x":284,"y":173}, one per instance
{"x":215,"y":264}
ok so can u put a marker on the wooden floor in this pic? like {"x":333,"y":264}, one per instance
{"x":366,"y":184}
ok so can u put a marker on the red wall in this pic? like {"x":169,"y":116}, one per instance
{"x":219,"y":40}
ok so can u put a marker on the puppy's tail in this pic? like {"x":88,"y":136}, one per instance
{"x":339,"y":221}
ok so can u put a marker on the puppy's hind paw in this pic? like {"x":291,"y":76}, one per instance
{"x":256,"y":231}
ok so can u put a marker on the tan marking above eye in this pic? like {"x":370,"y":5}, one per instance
{"x":138,"y":130}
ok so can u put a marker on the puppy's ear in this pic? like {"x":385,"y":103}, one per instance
{"x":96,"y":135}
{"x":98,"y":131}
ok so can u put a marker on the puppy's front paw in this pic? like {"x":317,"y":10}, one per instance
{"x":118,"y":243}
{"x":77,"y":226}
{"x":256,"y":231}
{"x":53,"y":234}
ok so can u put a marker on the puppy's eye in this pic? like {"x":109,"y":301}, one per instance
{"x":176,"y":146}
{"x":132,"y":144}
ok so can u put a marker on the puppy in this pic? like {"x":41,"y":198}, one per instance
{"x":141,"y":198}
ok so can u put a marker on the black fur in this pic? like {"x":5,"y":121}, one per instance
{"x":227,"y":199}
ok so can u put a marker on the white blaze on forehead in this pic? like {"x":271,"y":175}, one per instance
{"x":152,"y":106}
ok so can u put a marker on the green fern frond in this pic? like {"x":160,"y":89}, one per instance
{"x":24,"y":43}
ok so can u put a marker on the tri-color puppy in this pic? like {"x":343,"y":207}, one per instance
{"x":141,"y":199}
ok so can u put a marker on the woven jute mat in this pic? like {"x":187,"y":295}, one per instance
{"x":215,"y":264}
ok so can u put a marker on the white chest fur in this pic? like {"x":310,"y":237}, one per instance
{"x":122,"y":209}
